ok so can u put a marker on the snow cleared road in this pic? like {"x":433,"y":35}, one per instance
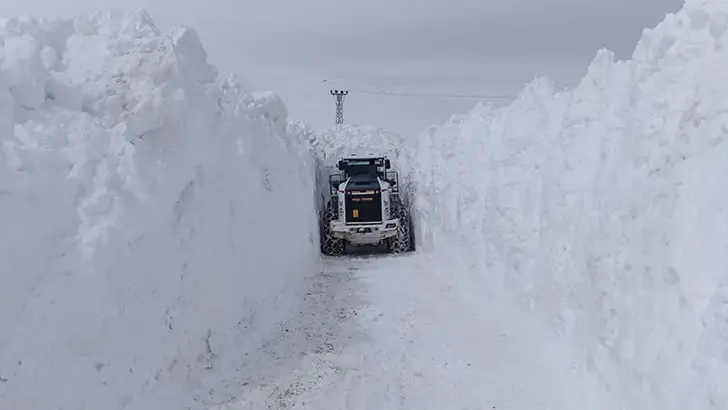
{"x":383,"y":332}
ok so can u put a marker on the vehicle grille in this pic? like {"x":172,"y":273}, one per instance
{"x":363,"y":207}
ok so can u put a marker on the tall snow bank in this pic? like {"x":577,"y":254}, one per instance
{"x":141,"y":199}
{"x":603,"y":209}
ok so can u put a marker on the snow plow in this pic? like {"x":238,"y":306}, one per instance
{"x":365,"y":208}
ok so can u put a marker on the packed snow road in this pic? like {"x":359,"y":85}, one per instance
{"x":382,"y":332}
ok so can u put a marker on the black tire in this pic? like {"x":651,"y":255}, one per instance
{"x":413,"y":239}
{"x":402,"y":242}
{"x":330,"y":245}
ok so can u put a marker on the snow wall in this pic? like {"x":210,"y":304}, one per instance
{"x":602,"y":209}
{"x":146,"y":207}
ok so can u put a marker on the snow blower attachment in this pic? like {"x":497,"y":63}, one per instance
{"x":365,"y":208}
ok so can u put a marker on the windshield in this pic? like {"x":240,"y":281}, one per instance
{"x":361,"y":169}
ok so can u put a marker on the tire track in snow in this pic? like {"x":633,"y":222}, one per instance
{"x":305,"y":353}
{"x":401,"y":333}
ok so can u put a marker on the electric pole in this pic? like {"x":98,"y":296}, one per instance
{"x":339,"y":95}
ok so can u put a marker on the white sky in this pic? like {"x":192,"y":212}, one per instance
{"x":484,"y":47}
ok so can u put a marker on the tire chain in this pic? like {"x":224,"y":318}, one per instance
{"x":402,"y":240}
{"x":329,"y":244}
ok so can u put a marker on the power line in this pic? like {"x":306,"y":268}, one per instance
{"x":436,"y":95}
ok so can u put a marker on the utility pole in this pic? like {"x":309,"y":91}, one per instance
{"x":339,"y":95}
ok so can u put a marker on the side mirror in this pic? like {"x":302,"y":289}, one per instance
{"x":340,"y":165}
{"x":387,"y":164}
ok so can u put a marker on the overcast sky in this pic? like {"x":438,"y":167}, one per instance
{"x":484,"y":47}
